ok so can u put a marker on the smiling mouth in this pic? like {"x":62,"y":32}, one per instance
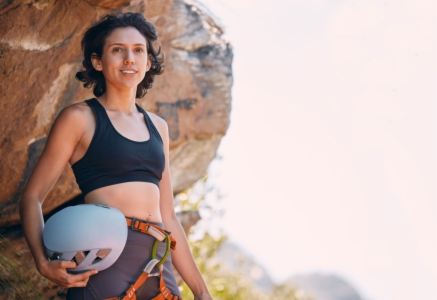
{"x":128,"y":71}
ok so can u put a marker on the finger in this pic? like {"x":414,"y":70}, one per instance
{"x":65,"y":264}
{"x":81,"y":283}
{"x":83,"y":276}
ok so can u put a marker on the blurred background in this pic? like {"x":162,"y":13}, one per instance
{"x":329,"y":164}
{"x":303,"y":139}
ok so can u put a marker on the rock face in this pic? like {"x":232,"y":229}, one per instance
{"x":40,"y":54}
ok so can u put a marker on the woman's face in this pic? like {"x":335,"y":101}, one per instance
{"x":124,"y":60}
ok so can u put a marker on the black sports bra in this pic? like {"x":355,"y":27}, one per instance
{"x":112,"y":158}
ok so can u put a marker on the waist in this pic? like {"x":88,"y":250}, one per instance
{"x":135,"y":199}
{"x":160,"y":224}
{"x":89,"y":184}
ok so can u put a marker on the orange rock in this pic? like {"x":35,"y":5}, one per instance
{"x":40,"y":54}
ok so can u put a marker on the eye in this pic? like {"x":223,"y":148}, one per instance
{"x":116,"y":50}
{"x":139,"y":50}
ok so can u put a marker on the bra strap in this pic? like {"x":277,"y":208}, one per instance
{"x":96,"y":107}
{"x":100,"y":112}
{"x":150,"y":124}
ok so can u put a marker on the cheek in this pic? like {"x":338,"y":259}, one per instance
{"x":142,"y":61}
{"x":111,"y":65}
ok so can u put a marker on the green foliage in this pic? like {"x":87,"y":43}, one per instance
{"x":285,"y":291}
{"x":223,"y":284}
{"x":202,"y":196}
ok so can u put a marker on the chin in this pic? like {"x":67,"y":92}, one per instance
{"x":127,"y":84}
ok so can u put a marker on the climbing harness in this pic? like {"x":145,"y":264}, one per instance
{"x":160,"y":235}
{"x":94,"y":237}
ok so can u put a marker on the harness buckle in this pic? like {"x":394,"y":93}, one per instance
{"x":132,"y":226}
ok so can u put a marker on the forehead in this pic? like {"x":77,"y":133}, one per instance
{"x":125,"y":35}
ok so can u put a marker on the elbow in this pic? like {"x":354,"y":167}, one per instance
{"x":26,"y":202}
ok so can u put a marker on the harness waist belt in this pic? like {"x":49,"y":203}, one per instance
{"x":150,"y":229}
{"x":161,"y":235}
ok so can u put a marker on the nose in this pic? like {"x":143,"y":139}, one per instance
{"x":129,"y":58}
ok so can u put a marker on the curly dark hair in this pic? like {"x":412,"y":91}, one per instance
{"x":94,"y":39}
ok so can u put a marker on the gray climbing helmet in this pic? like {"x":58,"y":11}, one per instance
{"x":91,"y":235}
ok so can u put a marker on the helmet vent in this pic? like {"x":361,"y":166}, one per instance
{"x":80,"y":256}
{"x":101,"y":255}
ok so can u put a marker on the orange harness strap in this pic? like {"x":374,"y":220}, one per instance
{"x":144,"y":227}
{"x":164,"y":292}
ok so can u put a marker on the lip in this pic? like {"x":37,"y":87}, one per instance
{"x":129,"y":70}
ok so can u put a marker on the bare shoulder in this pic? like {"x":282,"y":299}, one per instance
{"x":74,"y":118}
{"x":79,"y":110}
{"x":75,"y":114}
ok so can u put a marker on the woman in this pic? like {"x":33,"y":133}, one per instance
{"x":120,"y":156}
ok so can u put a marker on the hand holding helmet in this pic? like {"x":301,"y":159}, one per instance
{"x":56,"y":271}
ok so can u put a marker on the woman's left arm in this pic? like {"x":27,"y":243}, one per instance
{"x":181,"y":256}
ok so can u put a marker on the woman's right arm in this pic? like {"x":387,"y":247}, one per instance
{"x":63,"y":138}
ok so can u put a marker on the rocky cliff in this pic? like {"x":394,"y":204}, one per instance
{"x":40,"y":54}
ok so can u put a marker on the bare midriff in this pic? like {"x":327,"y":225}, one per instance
{"x":134,"y":199}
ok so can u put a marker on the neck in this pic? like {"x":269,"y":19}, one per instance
{"x":119,"y":99}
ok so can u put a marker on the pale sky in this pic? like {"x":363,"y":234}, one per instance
{"x":332,"y":141}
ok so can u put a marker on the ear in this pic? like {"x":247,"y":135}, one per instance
{"x":149,"y":64}
{"x":97,"y":63}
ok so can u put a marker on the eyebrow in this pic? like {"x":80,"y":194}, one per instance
{"x":124,"y":44}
